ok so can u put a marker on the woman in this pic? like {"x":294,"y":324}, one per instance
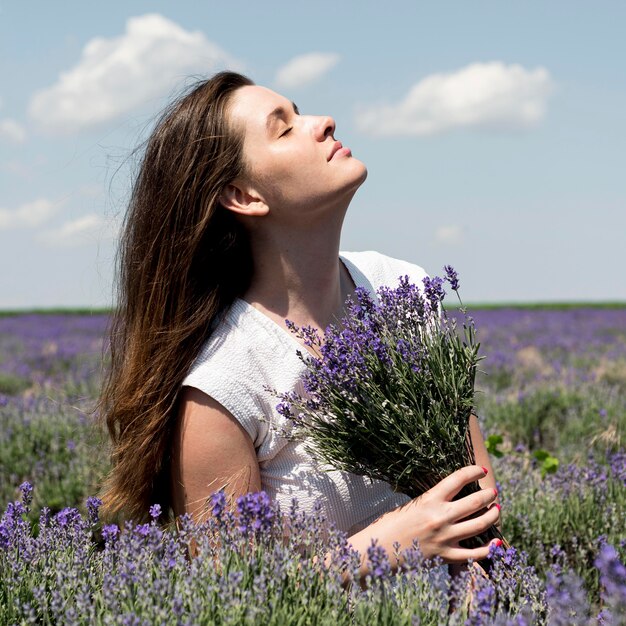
{"x":233,"y":226}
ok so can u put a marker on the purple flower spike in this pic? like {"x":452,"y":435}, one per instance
{"x":433,"y":289}
{"x":483,"y":603}
{"x":613,"y":579}
{"x":67,"y":517}
{"x":452,"y":277}
{"x":567,"y":599}
{"x":93,"y":505}
{"x":27,"y":493}
{"x":155,"y":511}
{"x":255,"y":513}
{"x":110,"y":532}
{"x":284,"y":409}
{"x":218,"y":503}
{"x":379,"y":561}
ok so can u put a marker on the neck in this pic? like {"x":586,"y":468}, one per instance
{"x":298,"y":274}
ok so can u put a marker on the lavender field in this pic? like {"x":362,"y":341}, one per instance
{"x":552,"y":403}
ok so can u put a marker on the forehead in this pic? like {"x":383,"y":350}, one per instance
{"x":251,"y":105}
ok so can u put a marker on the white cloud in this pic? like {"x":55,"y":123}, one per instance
{"x":26,"y":169}
{"x":450,"y":235}
{"x":116,"y":75}
{"x":305,"y":69}
{"x":86,"y":230}
{"x":482,"y":94}
{"x":12,"y":130}
{"x":27,"y":215}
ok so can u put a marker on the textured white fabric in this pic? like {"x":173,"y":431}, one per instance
{"x":248,"y":353}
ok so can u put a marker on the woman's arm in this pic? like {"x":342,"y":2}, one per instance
{"x":436,"y":521}
{"x":211,"y":451}
{"x":481,"y":457}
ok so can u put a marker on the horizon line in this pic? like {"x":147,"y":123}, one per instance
{"x":532,"y":304}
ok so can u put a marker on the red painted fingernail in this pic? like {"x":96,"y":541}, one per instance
{"x":497,"y":542}
{"x":485,"y":470}
{"x":495,"y":491}
{"x":498,"y":506}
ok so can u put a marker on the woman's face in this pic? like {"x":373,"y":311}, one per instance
{"x":293,"y":161}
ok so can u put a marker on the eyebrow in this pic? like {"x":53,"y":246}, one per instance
{"x":278,"y":113}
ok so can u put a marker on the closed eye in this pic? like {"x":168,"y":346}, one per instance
{"x":296,"y":112}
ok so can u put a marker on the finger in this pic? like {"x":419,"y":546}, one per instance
{"x":475,"y":526}
{"x":471,"y":504}
{"x":452,"y":484}
{"x":462,"y":555}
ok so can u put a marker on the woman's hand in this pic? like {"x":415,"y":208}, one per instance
{"x":436,"y":521}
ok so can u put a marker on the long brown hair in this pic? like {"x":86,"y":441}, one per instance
{"x":182,"y":261}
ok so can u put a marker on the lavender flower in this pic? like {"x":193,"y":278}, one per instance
{"x":144,"y":575}
{"x":255,"y":513}
{"x":110,"y":532}
{"x":218,"y":504}
{"x":452,"y":277}
{"x":67,"y":516}
{"x":93,"y":506}
{"x":155,"y":511}
{"x":567,"y":600}
{"x":27,"y":493}
{"x":483,"y":604}
{"x":433,"y":290}
{"x":380,"y":567}
{"x":613,"y":580}
{"x":391,"y":392}
{"x":557,"y":382}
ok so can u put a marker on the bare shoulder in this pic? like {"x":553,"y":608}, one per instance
{"x":202,"y":419}
{"x":211,"y":451}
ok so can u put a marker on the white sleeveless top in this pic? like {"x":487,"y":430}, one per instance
{"x":248,"y":353}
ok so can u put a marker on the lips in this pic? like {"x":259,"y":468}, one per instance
{"x":336,"y":146}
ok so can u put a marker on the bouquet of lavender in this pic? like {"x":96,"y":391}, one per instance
{"x":390,"y":389}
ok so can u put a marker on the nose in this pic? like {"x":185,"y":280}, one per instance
{"x":325,"y":127}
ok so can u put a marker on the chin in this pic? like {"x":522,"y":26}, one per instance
{"x":351,"y":188}
{"x":355,"y":167}
{"x":362,"y":173}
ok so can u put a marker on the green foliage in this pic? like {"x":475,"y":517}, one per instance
{"x":548,"y":463}
{"x":53,"y":445}
{"x":492,"y":442}
{"x":555,"y":418}
{"x":559,"y":517}
{"x":12,"y":385}
{"x":614,"y":376}
{"x":499,"y":379}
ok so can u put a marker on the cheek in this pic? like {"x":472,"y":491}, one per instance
{"x":287,"y":175}
{"x":288,"y":172}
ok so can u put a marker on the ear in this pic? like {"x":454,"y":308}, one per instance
{"x":244,"y":201}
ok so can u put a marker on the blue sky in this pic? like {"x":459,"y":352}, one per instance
{"x":494,"y":133}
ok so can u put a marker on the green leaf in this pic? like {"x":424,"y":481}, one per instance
{"x":549,"y":463}
{"x":491,"y":443}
